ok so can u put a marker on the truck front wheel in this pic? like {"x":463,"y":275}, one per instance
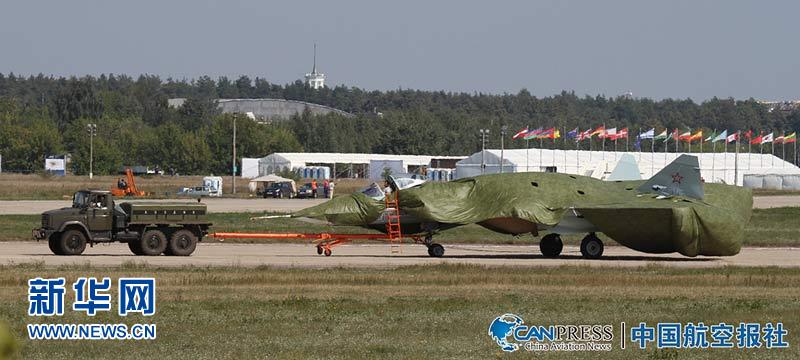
{"x":54,"y":243}
{"x":182,"y":243}
{"x":153,"y":242}
{"x":72,"y":242}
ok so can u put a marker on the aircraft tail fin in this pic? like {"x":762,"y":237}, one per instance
{"x":626,"y":169}
{"x":680,"y":177}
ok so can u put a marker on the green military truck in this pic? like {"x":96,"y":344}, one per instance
{"x":149,"y":228}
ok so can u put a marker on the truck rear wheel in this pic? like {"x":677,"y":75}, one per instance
{"x":72,"y":242}
{"x":153,"y":242}
{"x":182,"y":243}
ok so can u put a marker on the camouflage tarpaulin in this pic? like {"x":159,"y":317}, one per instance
{"x":713,"y":226}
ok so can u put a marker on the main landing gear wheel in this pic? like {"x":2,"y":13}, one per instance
{"x":551,"y":245}
{"x":435,"y":250}
{"x":327,"y":252}
{"x":591,"y":247}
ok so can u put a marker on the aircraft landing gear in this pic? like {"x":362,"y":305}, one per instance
{"x":551,"y":245}
{"x":434,"y":250}
{"x":591,"y":247}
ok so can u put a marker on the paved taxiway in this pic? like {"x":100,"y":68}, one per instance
{"x":376,"y":255}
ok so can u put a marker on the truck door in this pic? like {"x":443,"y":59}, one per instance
{"x":98,"y":216}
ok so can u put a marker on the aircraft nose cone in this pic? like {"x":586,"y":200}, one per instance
{"x":354,"y":209}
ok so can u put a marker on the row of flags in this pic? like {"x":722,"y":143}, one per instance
{"x":687,"y":136}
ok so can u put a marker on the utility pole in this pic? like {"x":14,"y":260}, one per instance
{"x":92,"y":130}
{"x":484,"y":134}
{"x":233,"y":167}
{"x":503,"y":130}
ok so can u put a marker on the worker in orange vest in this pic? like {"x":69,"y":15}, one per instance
{"x":314,"y":187}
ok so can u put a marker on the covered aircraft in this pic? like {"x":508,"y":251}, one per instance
{"x":674,"y":211}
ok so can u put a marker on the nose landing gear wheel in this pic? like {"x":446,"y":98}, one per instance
{"x":435,"y":250}
{"x":591,"y":247}
{"x":327,"y":252}
{"x":551,"y":245}
{"x":319,"y":250}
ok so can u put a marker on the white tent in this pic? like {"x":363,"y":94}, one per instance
{"x":276,"y":162}
{"x":714,"y":167}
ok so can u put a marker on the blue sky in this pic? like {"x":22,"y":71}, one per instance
{"x":677,"y":49}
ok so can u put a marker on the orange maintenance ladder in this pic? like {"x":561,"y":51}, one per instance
{"x":326,"y":241}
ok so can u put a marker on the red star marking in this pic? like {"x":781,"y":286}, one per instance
{"x":677,"y":178}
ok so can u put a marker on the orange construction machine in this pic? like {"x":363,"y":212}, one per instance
{"x":127,"y":186}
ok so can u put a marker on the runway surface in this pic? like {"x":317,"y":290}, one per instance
{"x":216,"y":205}
{"x":380,"y":256}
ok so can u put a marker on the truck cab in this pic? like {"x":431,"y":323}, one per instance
{"x":148,"y":228}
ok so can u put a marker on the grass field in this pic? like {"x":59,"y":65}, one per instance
{"x":40,"y":187}
{"x":416,"y":312}
{"x":768,"y":227}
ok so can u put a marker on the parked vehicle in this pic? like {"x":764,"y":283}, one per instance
{"x":279,"y":190}
{"x":305,"y":192}
{"x":149,"y":228}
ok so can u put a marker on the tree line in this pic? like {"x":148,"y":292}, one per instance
{"x":44,"y":115}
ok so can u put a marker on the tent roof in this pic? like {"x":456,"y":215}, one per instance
{"x":355,"y":158}
{"x":271,"y":178}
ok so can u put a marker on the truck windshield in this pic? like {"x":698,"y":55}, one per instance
{"x":80,"y":200}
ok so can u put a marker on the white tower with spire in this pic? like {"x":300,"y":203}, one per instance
{"x":314,"y":79}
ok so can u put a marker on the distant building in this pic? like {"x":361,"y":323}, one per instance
{"x":314,"y":79}
{"x":267,"y":110}
{"x":786,"y":106}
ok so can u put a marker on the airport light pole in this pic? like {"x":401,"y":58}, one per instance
{"x":92,"y":130}
{"x":503,"y":130}
{"x":484,"y":135}
{"x":233,"y":161}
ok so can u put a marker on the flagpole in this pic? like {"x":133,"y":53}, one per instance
{"x":565,"y":149}
{"x":736,"y":161}
{"x":725,"y":161}
{"x":783,"y":151}
{"x":603,"y":142}
{"x":653,"y":152}
{"x":527,"y":155}
{"x":714,"y":154}
{"x":541,"y":146}
{"x":772,"y":159}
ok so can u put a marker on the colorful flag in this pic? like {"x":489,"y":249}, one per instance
{"x":712,"y":136}
{"x":779,"y":139}
{"x":585,"y":135}
{"x":675,"y":135}
{"x":609,"y":133}
{"x":687,"y":136}
{"x":731,"y":138}
{"x":649,"y":134}
{"x":546,"y":134}
{"x":637,"y":145}
{"x":790,"y":138}
{"x":696,"y":136}
{"x":722,"y":136}
{"x":598,"y":131}
{"x":556,"y":134}
{"x":533,"y":134}
{"x":572,"y":134}
{"x":622,"y":134}
{"x":521,"y":133}
{"x":756,"y":140}
{"x":748,"y":134}
{"x":767,"y":138}
{"x":662,"y":136}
